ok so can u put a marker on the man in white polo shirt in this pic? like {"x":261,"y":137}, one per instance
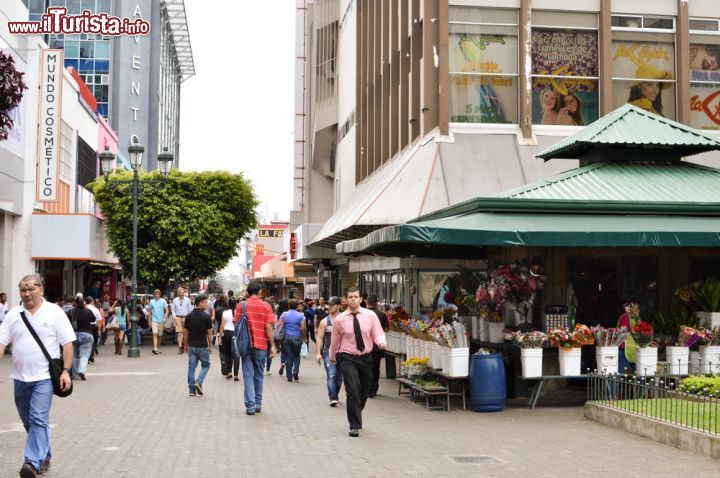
{"x":181,"y":307}
{"x":33,"y":387}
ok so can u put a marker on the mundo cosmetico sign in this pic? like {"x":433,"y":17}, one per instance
{"x":49,"y":127}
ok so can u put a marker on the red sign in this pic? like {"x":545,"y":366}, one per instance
{"x":259,"y":249}
{"x":293,"y":245}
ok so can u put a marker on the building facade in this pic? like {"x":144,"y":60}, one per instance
{"x":135,"y":79}
{"x":404,"y":108}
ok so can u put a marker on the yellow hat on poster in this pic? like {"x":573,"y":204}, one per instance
{"x":650,"y":72}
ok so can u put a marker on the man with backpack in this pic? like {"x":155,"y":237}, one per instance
{"x":260,"y":320}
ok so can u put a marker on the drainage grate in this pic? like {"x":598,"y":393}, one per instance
{"x":474,"y":459}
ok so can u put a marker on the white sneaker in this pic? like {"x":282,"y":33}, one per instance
{"x":268,"y":372}
{"x":333,"y":403}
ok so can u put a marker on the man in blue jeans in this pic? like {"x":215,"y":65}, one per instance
{"x":324,"y":331}
{"x":33,"y":388}
{"x":260,"y":318}
{"x":197,"y":331}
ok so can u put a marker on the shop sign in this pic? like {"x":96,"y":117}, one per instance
{"x":51,"y":77}
{"x":705,"y":86}
{"x":293,"y":246}
{"x":271,"y":232}
{"x":259,"y":249}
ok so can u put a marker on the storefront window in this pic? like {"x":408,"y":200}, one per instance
{"x":565,"y":77}
{"x":705,"y":86}
{"x":396,"y":292}
{"x":483,"y":65}
{"x":643,"y":66}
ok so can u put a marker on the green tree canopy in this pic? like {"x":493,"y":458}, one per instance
{"x":188,"y":228}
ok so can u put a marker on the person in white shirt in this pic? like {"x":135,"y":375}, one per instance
{"x":180,"y":308}
{"x":33,"y":387}
{"x":3,"y":306}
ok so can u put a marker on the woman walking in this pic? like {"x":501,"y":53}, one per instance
{"x":281,"y":311}
{"x":121,"y":314}
{"x":294,"y":324}
{"x":229,"y":364}
{"x":83,"y":346}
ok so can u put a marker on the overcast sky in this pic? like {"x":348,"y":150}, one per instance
{"x":236,"y":113}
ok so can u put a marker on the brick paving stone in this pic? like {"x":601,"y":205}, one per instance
{"x":134,"y":418}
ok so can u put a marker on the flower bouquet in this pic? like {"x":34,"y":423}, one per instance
{"x":529,"y":340}
{"x":647,"y":353}
{"x":612,"y":337}
{"x":642,"y":333}
{"x":562,"y":338}
{"x":583,"y":335}
{"x":709,"y":341}
{"x":607,"y":351}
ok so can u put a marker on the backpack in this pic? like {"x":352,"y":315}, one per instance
{"x":242,"y":341}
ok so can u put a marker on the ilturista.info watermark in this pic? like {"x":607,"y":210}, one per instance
{"x":57,"y":21}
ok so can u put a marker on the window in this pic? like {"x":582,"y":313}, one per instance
{"x":643,"y":64}
{"x":483,"y":62}
{"x":86,"y":163}
{"x":67,"y":135}
{"x":704,"y":74}
{"x":564,"y":69}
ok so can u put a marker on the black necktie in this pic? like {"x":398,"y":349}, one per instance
{"x":358,"y":335}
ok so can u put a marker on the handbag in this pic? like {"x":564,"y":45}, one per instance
{"x":55,"y":366}
{"x":279,"y":333}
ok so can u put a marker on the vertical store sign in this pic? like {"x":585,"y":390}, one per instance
{"x":49,"y":128}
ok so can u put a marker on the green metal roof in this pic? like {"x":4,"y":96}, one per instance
{"x":541,"y":230}
{"x":622,"y":132}
{"x":620,"y":188}
{"x":662,"y":182}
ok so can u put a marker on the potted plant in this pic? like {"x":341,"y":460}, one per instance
{"x":647,"y":352}
{"x":708,"y":298}
{"x":569,"y":344}
{"x":709,"y":341}
{"x":519,"y":282}
{"x":530,"y":351}
{"x":678,"y":354}
{"x":607,"y":351}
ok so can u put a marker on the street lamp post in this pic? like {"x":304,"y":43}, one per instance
{"x":165,"y":161}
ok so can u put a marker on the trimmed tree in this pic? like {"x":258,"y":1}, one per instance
{"x":188,"y":228}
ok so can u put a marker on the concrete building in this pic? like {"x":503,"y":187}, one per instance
{"x":404,"y":108}
{"x":55,"y":230}
{"x":135,"y":79}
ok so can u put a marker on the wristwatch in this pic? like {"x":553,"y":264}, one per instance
{"x":68,"y":370}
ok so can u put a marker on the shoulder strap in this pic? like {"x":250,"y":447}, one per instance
{"x":35,"y":336}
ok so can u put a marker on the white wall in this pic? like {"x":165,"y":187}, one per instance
{"x":347,"y":74}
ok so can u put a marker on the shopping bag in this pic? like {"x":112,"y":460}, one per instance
{"x":303,"y":350}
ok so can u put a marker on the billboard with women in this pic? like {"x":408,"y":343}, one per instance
{"x":483,"y":78}
{"x":705,"y":86}
{"x":565,"y":72}
{"x":643,"y":75}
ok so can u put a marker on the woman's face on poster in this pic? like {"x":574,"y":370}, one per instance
{"x":703,"y":59}
{"x":650,"y":89}
{"x":548,"y":100}
{"x":571,"y":103}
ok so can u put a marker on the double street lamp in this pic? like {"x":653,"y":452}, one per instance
{"x":165,"y":161}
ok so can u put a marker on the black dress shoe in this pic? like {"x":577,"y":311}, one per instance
{"x":82,"y":376}
{"x":354,"y":432}
{"x":28,"y":471}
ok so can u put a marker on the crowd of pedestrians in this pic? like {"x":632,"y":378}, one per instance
{"x":349,"y":341}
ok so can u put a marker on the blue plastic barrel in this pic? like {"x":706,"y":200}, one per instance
{"x":487,"y":383}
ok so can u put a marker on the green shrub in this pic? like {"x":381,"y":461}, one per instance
{"x":702,"y":385}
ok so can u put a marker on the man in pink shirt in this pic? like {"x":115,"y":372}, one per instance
{"x":351,"y":343}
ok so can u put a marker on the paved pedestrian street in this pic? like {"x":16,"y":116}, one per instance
{"x":134,"y":418}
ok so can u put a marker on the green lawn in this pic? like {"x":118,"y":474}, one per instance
{"x":703,"y":415}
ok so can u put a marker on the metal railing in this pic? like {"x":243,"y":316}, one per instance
{"x":656,"y":398}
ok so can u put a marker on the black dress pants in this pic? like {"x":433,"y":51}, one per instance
{"x":357,"y":374}
{"x":377,"y":356}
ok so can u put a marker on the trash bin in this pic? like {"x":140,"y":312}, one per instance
{"x":487,"y":383}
